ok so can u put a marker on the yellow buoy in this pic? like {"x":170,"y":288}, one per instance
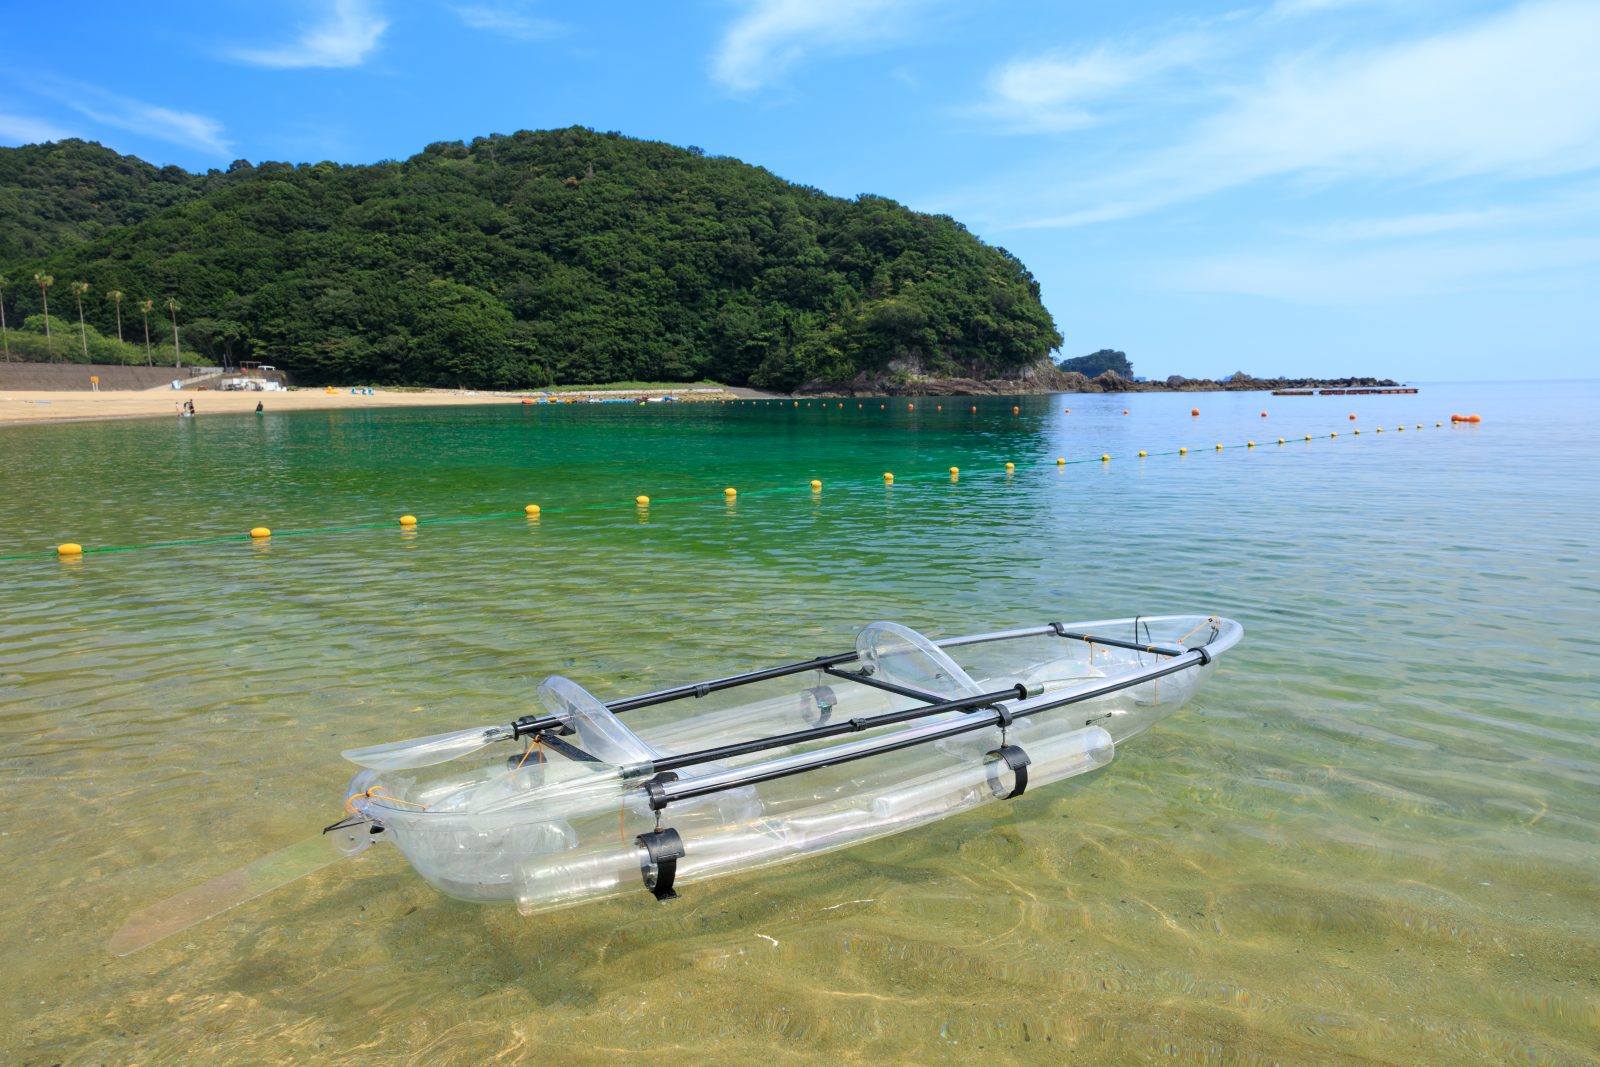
{"x":1011,"y":466}
{"x":1219,"y":448}
{"x":642,"y":500}
{"x":816,"y":484}
{"x":888,"y":478}
{"x":1143,"y":453}
{"x":1400,"y":429}
{"x":1379,"y":430}
{"x":955,"y":470}
{"x":1185,"y":451}
{"x":1249,"y":444}
{"x":1106,"y":458}
{"x":1308,"y":437}
{"x":1061,"y":461}
{"x":531,"y":509}
{"x":71,"y":548}
{"x":260,"y":531}
{"x":1280,"y":440}
{"x":408,"y":520}
{"x":730,"y":491}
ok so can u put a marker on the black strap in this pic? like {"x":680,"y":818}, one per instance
{"x":1018,"y":761}
{"x":665,"y":848}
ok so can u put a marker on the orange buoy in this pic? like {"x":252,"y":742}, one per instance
{"x":1352,"y":418}
{"x":1014,"y":410}
{"x":1474,"y":418}
{"x":1194,"y":411}
{"x":1263,"y":414}
{"x":1066,"y":411}
{"x":1124,"y":411}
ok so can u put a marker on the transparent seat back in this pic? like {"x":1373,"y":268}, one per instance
{"x":900,"y":655}
{"x":600,"y":732}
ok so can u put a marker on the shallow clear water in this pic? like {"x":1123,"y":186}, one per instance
{"x":1374,"y":837}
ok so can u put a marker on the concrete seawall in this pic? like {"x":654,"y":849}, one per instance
{"x":57,"y":377}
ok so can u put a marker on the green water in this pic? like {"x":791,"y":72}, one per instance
{"x":1373,"y":838}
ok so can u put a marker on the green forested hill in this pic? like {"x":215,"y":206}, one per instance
{"x":520,"y":260}
{"x":56,"y":195}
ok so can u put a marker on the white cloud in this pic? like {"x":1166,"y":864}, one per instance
{"x":1516,"y":95}
{"x":185,"y":128}
{"x":1297,"y":8}
{"x":772,"y":35}
{"x":508,"y":22}
{"x":1425,"y":224}
{"x":1054,"y":91}
{"x":1317,"y":277}
{"x":24,"y":129}
{"x":1576,"y":206}
{"x":348,"y":31}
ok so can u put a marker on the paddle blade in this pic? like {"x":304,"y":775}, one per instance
{"x":148,"y":925}
{"x":426,"y":751}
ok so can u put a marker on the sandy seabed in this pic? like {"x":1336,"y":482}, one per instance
{"x":24,"y":406}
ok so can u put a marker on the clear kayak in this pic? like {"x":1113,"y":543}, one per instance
{"x":590,"y":799}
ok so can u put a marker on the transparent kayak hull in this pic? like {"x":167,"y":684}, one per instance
{"x":585,"y":800}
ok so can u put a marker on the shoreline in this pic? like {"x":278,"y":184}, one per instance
{"x":24,"y":407}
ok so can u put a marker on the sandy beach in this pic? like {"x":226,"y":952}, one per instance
{"x":24,"y":406}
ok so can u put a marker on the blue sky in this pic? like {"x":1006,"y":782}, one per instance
{"x":1298,"y":186}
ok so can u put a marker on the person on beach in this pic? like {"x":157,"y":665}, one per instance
{"x":260,"y":407}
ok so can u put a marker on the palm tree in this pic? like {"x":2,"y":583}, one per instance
{"x":145,"y":307}
{"x":78,"y":289}
{"x":3,"y":335}
{"x":45,"y":282}
{"x":172,"y":307}
{"x":115,"y":296}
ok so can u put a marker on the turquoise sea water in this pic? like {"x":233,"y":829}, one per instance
{"x":1371,"y":839}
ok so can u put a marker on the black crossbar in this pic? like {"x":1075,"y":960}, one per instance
{"x":1115,"y":643}
{"x":888,"y":687}
{"x":849,"y":726}
{"x":529,"y":725}
{"x":700,"y":689}
{"x":663,"y":794}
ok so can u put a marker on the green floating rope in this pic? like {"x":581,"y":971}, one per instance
{"x":226,"y":538}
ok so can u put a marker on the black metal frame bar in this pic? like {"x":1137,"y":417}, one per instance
{"x":849,"y":726}
{"x":530,"y":725}
{"x":879,"y":683}
{"x":662,"y":794}
{"x":1113,"y":642}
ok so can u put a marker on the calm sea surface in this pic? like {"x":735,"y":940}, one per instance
{"x":1373,"y":838}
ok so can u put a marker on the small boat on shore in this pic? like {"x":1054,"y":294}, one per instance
{"x":571,"y":804}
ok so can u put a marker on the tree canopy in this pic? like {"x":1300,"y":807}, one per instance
{"x":522,"y":260}
{"x":1097,"y":363}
